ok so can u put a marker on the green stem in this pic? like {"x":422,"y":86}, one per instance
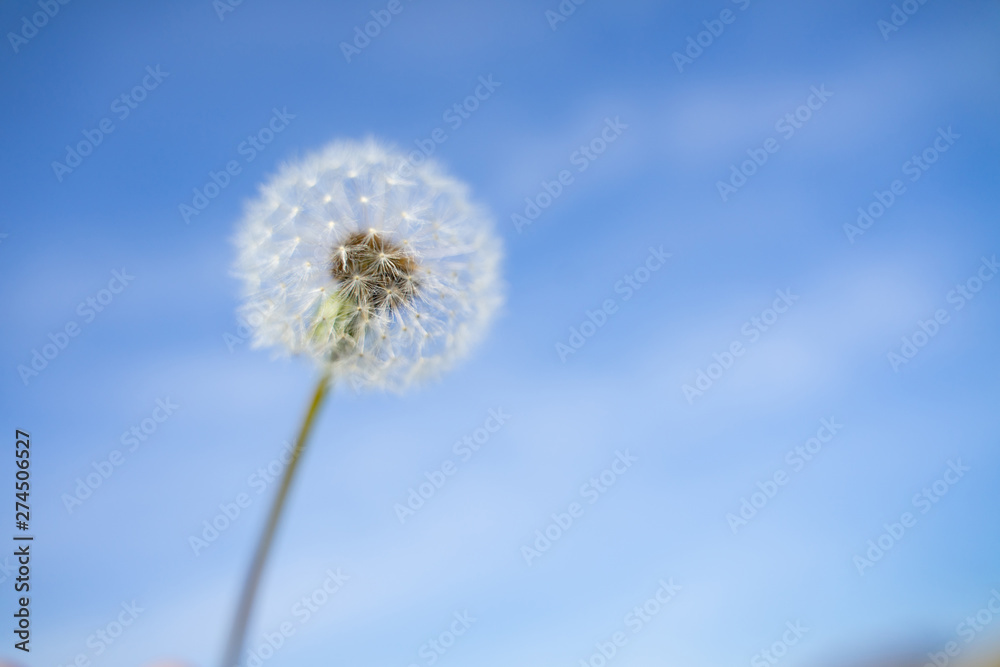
{"x":238,"y":633}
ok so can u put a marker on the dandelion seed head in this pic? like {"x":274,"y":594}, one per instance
{"x":383,"y":270}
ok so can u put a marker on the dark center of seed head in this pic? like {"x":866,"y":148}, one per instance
{"x":373,"y":271}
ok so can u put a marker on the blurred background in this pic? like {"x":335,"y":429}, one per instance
{"x":781,"y":441}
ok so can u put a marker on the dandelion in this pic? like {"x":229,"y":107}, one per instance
{"x":382,"y":272}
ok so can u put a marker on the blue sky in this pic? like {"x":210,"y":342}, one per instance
{"x":166,"y":330}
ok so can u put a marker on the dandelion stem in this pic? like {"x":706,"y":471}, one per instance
{"x":238,"y":633}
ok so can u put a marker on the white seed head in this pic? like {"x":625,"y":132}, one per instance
{"x":385,"y":271}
